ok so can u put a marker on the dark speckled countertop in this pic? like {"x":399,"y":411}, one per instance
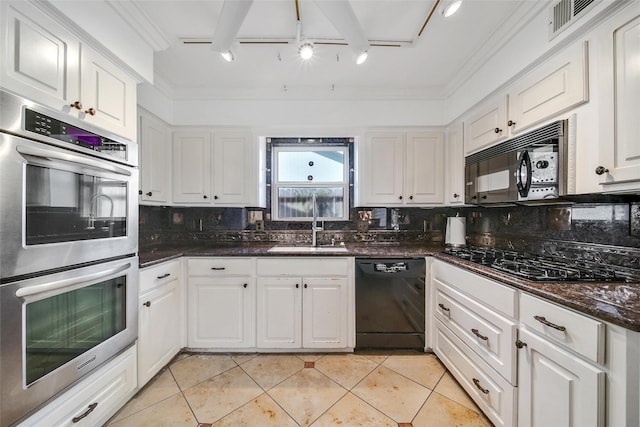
{"x":618,"y":303}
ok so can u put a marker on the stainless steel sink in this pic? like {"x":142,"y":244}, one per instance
{"x":308,"y":249}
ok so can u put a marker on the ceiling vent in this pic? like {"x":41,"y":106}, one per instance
{"x":564,"y":13}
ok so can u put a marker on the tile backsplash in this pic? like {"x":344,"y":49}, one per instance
{"x":537,"y":229}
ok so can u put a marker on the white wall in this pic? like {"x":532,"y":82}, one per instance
{"x":307,"y":113}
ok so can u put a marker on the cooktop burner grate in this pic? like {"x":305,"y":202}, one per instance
{"x":539,"y":268}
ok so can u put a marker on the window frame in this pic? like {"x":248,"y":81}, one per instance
{"x":311,"y":144}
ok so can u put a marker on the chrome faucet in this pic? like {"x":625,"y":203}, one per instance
{"x":314,"y":223}
{"x":93,"y":209}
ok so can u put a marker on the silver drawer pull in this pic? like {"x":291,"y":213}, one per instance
{"x":549,"y":324}
{"x":477,"y":333}
{"x":218,"y":268}
{"x":479,"y":387}
{"x":85,"y":413}
{"x":443,"y":308}
{"x":164,"y":276}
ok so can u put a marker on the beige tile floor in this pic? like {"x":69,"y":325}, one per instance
{"x":318,"y":390}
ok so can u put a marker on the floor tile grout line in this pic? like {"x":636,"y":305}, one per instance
{"x":184,"y":397}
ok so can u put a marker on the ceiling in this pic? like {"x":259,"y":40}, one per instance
{"x":401,"y":63}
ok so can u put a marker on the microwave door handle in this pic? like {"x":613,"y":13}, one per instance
{"x":46,"y":157}
{"x":70,"y":283}
{"x":525,"y":160}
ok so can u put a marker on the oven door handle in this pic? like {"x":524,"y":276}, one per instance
{"x":43,"y":157}
{"x":524,"y":187}
{"x":78,"y":281}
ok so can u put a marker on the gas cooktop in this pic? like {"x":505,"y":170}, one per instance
{"x":540,"y":268}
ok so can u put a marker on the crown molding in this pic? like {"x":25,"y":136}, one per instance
{"x":140,"y":22}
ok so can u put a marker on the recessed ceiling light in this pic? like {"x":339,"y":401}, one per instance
{"x":451,"y":8}
{"x":306,"y":50}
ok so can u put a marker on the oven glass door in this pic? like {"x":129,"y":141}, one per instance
{"x":61,"y":327}
{"x":66,"y":203}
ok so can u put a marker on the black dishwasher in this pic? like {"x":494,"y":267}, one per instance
{"x":390,"y":303}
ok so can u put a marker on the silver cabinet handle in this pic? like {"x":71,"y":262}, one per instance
{"x":549,"y":324}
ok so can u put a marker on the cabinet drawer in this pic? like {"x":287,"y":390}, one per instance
{"x":158,"y":275}
{"x":568,"y":328}
{"x":489,"y":334}
{"x":106,"y":390}
{"x":220,"y":266}
{"x":302,"y":266}
{"x":492,"y":294}
{"x":492,"y":393}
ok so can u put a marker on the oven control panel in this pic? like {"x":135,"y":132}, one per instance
{"x":57,"y":129}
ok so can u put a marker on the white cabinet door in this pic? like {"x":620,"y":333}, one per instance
{"x":424,"y":175}
{"x":192,"y":167}
{"x":486,"y":126}
{"x":279,"y":312}
{"x":620,"y":152}
{"x":324,"y":311}
{"x":159,"y":324}
{"x":221,"y":312}
{"x":557,"y":388}
{"x":39,"y":58}
{"x":155,"y":164}
{"x":232,"y":172}
{"x":555,"y":86}
{"x":108,"y":95}
{"x":382,"y":179}
{"x":454,"y":175}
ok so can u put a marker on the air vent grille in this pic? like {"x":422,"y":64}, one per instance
{"x":564,"y":13}
{"x":548,"y":134}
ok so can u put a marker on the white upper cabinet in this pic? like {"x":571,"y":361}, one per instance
{"x":232,"y":168}
{"x":619,"y":147}
{"x":382,"y":169}
{"x":424,"y":179}
{"x":402,"y":169}
{"x":192,"y":167}
{"x":45,"y":63}
{"x":108,"y":94}
{"x":213,"y":168}
{"x":553,"y":87}
{"x":155,"y":159}
{"x":486,"y":125}
{"x":548,"y":90}
{"x":40,"y":59}
{"x":454,"y":175}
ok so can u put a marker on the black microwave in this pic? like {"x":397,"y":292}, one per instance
{"x":529,"y":167}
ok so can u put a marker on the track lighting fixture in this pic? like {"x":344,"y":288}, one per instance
{"x":227,"y":56}
{"x":305,"y":50}
{"x":451,"y":8}
{"x":361,"y":57}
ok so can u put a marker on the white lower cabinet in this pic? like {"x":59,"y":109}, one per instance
{"x":473,"y":334}
{"x":221,"y":303}
{"x":491,"y":392}
{"x":557,"y":388}
{"x":305,"y":303}
{"x":528,"y":362}
{"x":159,"y":318}
{"x":95,"y":399}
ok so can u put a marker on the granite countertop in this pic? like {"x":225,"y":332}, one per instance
{"x":614,"y":302}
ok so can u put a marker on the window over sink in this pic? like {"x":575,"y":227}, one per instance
{"x":302,"y":167}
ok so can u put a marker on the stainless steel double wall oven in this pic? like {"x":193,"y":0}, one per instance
{"x":68,"y":252}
